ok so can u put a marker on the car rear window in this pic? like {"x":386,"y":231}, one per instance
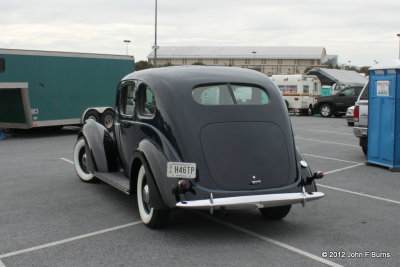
{"x":230,"y":94}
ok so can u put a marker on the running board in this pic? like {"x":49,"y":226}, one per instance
{"x":115,"y":179}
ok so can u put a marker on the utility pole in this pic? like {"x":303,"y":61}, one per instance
{"x":155,"y":47}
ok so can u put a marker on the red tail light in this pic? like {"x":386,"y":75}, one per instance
{"x":296,"y":99}
{"x":356,"y":113}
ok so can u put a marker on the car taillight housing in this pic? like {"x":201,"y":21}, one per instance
{"x":356,"y":113}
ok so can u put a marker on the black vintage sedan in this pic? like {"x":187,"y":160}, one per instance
{"x":198,"y":137}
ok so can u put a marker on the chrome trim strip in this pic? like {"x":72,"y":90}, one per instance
{"x":269,"y":200}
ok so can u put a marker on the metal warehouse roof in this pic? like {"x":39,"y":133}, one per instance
{"x":239,"y":52}
{"x":331,"y":76}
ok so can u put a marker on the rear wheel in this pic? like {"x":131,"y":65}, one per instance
{"x":91,"y":114}
{"x":275,"y":213}
{"x":80,"y":162}
{"x":151,"y":217}
{"x":326,"y":110}
{"x":365,"y":149}
{"x":350,"y":123}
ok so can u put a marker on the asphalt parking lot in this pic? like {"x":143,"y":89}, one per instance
{"x":48,"y":217}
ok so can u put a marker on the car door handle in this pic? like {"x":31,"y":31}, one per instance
{"x":125,"y":124}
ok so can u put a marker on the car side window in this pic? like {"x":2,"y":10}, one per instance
{"x":364,"y":94}
{"x":349,"y":92}
{"x":147,"y":101}
{"x":127,"y":103}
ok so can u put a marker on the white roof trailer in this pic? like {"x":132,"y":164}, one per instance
{"x":299,"y":91}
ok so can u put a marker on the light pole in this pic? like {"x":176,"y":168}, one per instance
{"x":155,"y":47}
{"x":127,"y":43}
{"x":398,"y":35}
{"x":254,"y":57}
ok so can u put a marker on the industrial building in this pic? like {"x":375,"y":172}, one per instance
{"x":266,"y":59}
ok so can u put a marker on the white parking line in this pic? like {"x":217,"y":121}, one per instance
{"x":2,"y":264}
{"x":321,"y":141}
{"x":56,"y":243}
{"x":316,"y":156}
{"x":312,"y":130}
{"x":67,"y":160}
{"x":345,"y":168}
{"x":272,"y":241}
{"x":360,"y":194}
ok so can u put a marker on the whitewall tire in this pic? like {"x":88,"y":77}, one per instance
{"x":151,"y":217}
{"x":80,"y":161}
{"x":143,"y":197}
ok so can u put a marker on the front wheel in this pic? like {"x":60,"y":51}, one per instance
{"x":275,"y":213}
{"x":151,"y":217}
{"x":326,"y":110}
{"x":80,"y":162}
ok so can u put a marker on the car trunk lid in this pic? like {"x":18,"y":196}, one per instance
{"x":247,"y":155}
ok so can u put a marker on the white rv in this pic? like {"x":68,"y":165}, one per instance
{"x":299,"y":91}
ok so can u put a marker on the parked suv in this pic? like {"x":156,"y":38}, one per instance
{"x":361,"y":118}
{"x":337,"y":104}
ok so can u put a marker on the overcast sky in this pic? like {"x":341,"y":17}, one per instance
{"x":359,"y":31}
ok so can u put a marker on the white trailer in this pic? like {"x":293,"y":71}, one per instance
{"x":299,"y":91}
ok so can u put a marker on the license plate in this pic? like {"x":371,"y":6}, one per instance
{"x":181,"y":170}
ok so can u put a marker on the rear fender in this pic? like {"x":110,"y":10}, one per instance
{"x":156,"y":162}
{"x":102,"y":148}
{"x":306,"y":172}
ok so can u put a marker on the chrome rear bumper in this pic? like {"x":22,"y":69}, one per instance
{"x":270,"y":200}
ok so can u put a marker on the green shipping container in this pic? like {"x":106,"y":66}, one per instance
{"x":41,"y":88}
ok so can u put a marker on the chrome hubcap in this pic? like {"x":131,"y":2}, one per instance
{"x":84,"y":161}
{"x":108,"y":121}
{"x":146,"y":198}
{"x":92,"y":117}
{"x":325,"y":111}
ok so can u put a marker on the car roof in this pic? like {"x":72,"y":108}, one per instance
{"x":186,"y":77}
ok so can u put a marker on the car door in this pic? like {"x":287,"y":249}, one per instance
{"x":346,"y":98}
{"x":124,"y":127}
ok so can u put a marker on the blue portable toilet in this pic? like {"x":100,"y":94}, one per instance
{"x":384,"y":115}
